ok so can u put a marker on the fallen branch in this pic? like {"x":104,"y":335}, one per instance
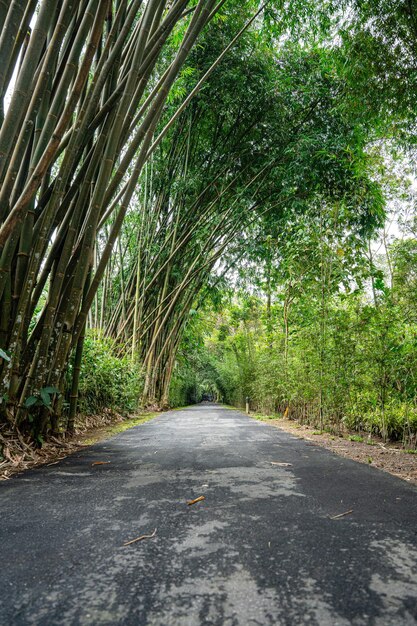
{"x":140,"y":538}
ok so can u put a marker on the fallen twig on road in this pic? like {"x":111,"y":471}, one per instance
{"x":100,"y":463}
{"x":199,"y":499}
{"x":341,"y":514}
{"x":140,"y":538}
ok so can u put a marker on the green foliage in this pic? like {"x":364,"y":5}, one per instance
{"x":183,"y":389}
{"x":43,"y":399}
{"x":276,"y":170}
{"x":377,"y":57}
{"x":107,"y":379}
{"x":322,"y":348}
{"x":396,"y":420}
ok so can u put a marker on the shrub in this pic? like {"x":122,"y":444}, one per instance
{"x":107,"y":380}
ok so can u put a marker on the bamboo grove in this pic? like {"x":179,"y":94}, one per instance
{"x":319,"y":322}
{"x":147,"y":149}
{"x":86,"y":89}
{"x":199,"y":194}
{"x":260,"y":175}
{"x":84,"y":86}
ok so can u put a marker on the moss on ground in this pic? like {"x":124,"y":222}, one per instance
{"x":119,"y":427}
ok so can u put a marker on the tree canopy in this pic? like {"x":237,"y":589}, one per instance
{"x":190,"y":197}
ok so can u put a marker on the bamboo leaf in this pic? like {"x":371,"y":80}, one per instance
{"x":51,"y":390}
{"x":31,"y":401}
{"x":45,"y":397}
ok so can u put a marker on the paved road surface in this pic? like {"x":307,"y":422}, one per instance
{"x":260,"y":550}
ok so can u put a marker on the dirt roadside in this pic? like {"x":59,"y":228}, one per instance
{"x":389,"y":457}
{"x":17,"y":456}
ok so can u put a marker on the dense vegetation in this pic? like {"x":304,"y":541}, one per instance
{"x":192,"y":195}
{"x":333,"y":359}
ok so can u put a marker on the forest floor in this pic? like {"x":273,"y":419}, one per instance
{"x":89,"y":429}
{"x":387,"y":456}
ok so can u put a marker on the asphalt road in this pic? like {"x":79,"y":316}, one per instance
{"x":261,"y":549}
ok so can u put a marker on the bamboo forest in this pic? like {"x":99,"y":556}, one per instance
{"x":202,"y":198}
{"x":208,"y":312}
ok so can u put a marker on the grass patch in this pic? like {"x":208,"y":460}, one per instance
{"x":120,"y":427}
{"x":264,"y":418}
{"x":357,"y":438}
{"x":410,"y":451}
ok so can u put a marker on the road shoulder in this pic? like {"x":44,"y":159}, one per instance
{"x":389,"y":457}
{"x":18,"y":457}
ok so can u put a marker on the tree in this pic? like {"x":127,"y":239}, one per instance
{"x":90,"y":84}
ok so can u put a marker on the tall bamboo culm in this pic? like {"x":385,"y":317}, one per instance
{"x":83,"y":84}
